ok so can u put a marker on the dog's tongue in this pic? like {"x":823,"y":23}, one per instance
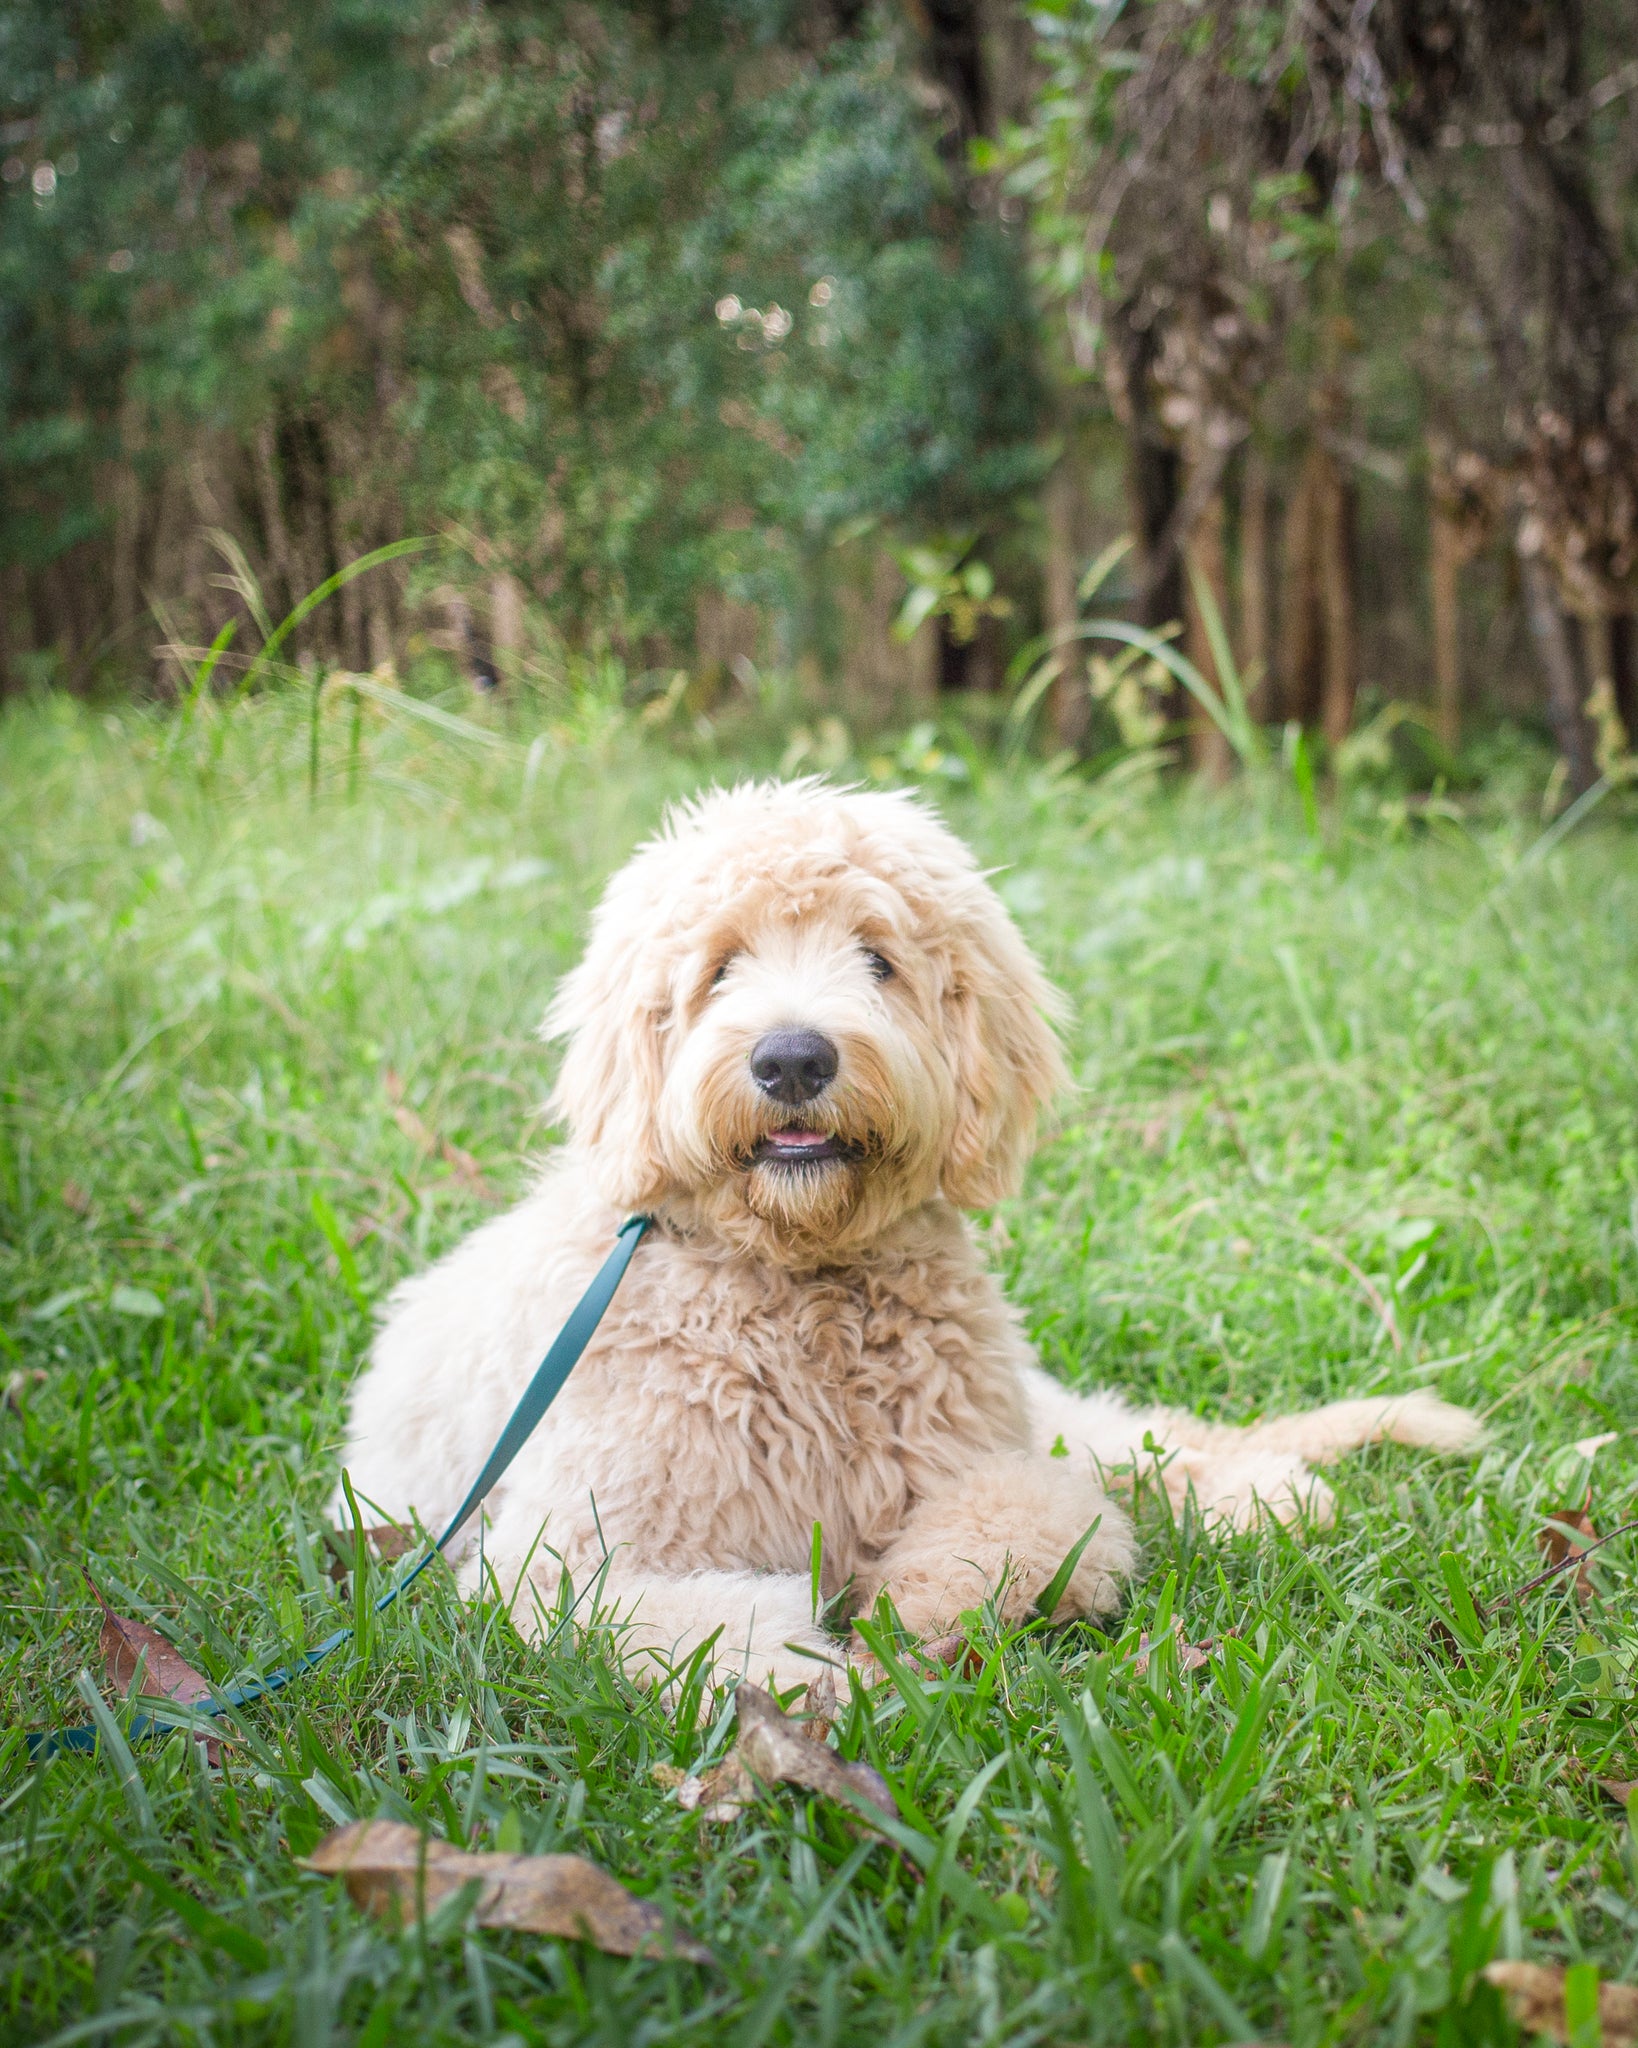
{"x":798,"y":1141}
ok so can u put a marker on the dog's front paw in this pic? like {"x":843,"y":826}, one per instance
{"x":1006,"y":1537}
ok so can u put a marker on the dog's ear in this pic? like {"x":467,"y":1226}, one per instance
{"x":614,"y":1065}
{"x":998,"y":1018}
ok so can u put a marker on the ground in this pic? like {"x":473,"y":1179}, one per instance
{"x":1355,"y":1112}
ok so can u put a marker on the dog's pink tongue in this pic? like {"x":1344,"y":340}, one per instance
{"x":797,"y":1141}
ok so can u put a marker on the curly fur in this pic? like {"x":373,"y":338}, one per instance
{"x":804,"y":1343}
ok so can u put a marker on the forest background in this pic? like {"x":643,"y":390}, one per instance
{"x":842,"y":343}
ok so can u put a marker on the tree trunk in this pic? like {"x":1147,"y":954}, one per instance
{"x":506,"y":625}
{"x":1295,"y":691}
{"x":1153,"y":470}
{"x":279,"y":578}
{"x":9,"y":680}
{"x":1254,"y":582}
{"x":1445,"y":555}
{"x":1339,"y":609}
{"x":1623,"y":631}
{"x":1071,"y":706}
{"x":1560,"y":661}
{"x":1207,"y":561}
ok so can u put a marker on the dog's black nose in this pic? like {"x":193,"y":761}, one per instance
{"x":794,"y":1066}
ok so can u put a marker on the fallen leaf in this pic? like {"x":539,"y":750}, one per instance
{"x":773,"y":1747}
{"x":818,"y":1715}
{"x":20,"y":1384}
{"x":75,"y":1198}
{"x":1443,"y":1636}
{"x":131,"y":1646}
{"x":1557,"y":1543}
{"x":953,"y":1653}
{"x":389,"y":1866}
{"x":721,"y":1794}
{"x":1190,"y":1656}
{"x":386,"y":1540}
{"x":1535,"y":1994}
{"x":1571,"y":1555}
{"x":780,"y":1751}
{"x":419,"y":1132}
{"x":1618,"y":1789}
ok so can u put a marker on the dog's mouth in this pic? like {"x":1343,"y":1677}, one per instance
{"x":800,"y":1147}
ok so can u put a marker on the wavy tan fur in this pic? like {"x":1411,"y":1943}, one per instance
{"x":794,"y":1344}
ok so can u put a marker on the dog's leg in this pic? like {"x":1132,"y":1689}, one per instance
{"x":1004,"y":1526}
{"x":1236,"y":1475}
{"x":762,"y":1623}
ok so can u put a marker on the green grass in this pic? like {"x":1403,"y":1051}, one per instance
{"x":1355,"y":1114}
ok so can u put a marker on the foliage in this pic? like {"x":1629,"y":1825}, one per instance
{"x":424,"y":267}
{"x":1353,"y":1115}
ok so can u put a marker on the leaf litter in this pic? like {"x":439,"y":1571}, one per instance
{"x":387,"y":1543}
{"x":1190,"y":1656}
{"x":775,"y":1748}
{"x":1557,"y":1543}
{"x":131,"y":1649}
{"x":391,"y":1868}
{"x":20,"y":1385}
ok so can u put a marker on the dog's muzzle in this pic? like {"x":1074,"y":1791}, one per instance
{"x":794,"y":1066}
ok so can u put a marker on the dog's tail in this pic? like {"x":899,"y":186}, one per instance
{"x":1319,"y":1435}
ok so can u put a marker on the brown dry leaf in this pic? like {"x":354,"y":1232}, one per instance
{"x":720,"y":1794}
{"x":19,"y":1385}
{"x":387,"y":1544}
{"x":419,"y":1132}
{"x":1190,"y":1656}
{"x":1443,"y":1637}
{"x":129,"y":1646}
{"x":780,"y":1751}
{"x":775,"y":1747}
{"x":75,"y":1198}
{"x":390,"y":1867}
{"x":818,"y":1714}
{"x":1557,"y":1542}
{"x":1535,"y":1994}
{"x":1618,"y":1789}
{"x":952,"y":1653}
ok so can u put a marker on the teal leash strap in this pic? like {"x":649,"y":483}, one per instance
{"x":548,"y":1382}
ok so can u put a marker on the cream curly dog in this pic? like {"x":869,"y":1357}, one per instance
{"x":804,"y":1037}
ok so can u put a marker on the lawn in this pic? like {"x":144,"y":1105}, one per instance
{"x":1356,"y":1112}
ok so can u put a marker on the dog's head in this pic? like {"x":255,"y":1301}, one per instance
{"x":803,"y":1012}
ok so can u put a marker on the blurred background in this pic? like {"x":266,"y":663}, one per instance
{"x":850,"y":361}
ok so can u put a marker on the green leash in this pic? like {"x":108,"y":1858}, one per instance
{"x":538,"y":1396}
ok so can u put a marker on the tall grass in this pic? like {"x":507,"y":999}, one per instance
{"x":1352,"y":1113}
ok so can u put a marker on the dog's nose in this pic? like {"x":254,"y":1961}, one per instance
{"x":793,"y":1066}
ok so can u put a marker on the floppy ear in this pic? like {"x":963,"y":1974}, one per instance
{"x":998,"y":1020}
{"x":609,"y":1085}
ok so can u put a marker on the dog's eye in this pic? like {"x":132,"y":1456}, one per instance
{"x":721,"y":974}
{"x":880,"y":968}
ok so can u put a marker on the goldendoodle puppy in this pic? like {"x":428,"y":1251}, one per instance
{"x":804,"y":1037}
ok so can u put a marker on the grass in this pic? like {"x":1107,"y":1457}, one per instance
{"x":1356,"y":1113}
